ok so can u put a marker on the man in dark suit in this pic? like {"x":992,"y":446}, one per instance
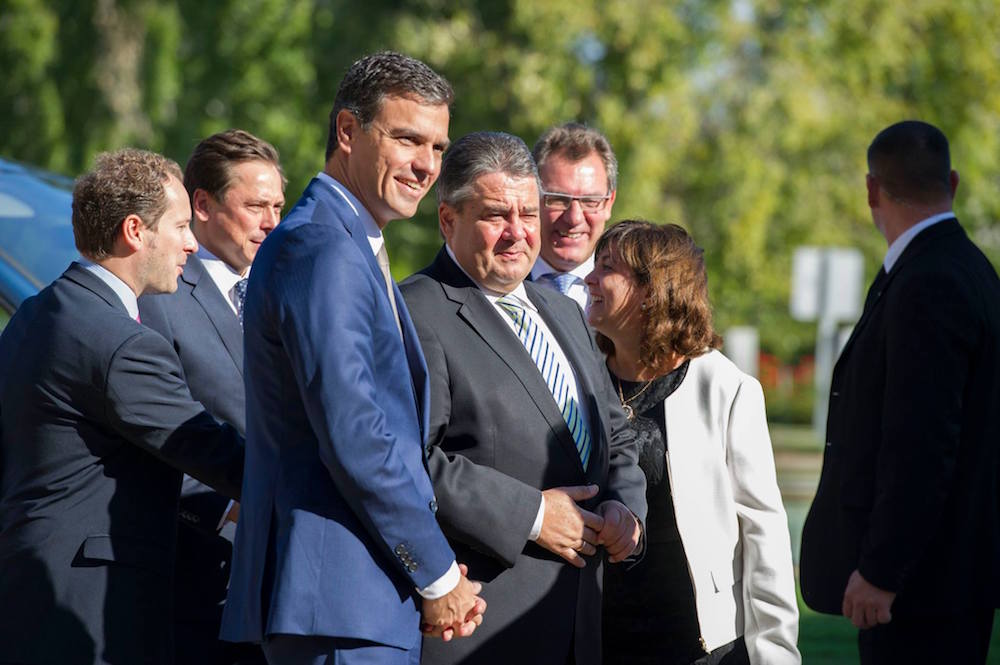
{"x":337,"y":548}
{"x":903,"y":536}
{"x":97,"y":426}
{"x":237,"y":192}
{"x":533,"y":468}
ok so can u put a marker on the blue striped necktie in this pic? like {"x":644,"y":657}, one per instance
{"x":556,"y":375}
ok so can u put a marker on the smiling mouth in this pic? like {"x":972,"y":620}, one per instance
{"x":413,"y":186}
{"x":574,"y":235}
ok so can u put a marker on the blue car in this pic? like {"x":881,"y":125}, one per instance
{"x":36,"y":234}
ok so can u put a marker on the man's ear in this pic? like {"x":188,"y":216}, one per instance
{"x":953,"y":179}
{"x":131,"y":232}
{"x":348,"y":128}
{"x":447,"y":218}
{"x":200,"y":203}
{"x":871,"y":182}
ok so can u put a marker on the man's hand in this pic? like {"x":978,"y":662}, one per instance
{"x":865,"y":604}
{"x":620,"y":535}
{"x":567,"y":529}
{"x":455,"y":614}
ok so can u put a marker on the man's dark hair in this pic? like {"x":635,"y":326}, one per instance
{"x":574,"y":142}
{"x":478,"y":154}
{"x":210,"y":165}
{"x":911,"y":162}
{"x":122,"y":183}
{"x":375,"y":77}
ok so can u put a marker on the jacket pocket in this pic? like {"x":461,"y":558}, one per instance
{"x":103,"y":549}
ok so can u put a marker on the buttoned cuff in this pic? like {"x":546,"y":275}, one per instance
{"x":443,"y":585}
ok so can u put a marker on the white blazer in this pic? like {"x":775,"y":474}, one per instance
{"x":729,"y":511}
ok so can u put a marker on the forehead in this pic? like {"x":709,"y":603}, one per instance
{"x":587,"y":173}
{"x":397,"y":112}
{"x":503,"y":188}
{"x":254,"y":172}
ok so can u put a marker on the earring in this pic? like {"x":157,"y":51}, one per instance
{"x":642,"y":307}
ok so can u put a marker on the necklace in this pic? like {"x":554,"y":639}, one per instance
{"x":629,"y":411}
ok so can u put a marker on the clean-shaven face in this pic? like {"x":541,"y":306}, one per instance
{"x":167,"y":248}
{"x":494,"y":233}
{"x":569,"y":236}
{"x":395,"y":161}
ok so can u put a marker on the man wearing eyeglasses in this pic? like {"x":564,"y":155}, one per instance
{"x":579,"y":176}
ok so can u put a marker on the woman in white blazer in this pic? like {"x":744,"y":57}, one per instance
{"x":715,"y":582}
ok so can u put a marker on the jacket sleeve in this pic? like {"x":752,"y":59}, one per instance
{"x":149,"y":404}
{"x":768,"y":587}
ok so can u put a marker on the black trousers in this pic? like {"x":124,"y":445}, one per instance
{"x":952,"y":638}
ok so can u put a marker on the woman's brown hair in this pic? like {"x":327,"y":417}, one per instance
{"x":677,"y":317}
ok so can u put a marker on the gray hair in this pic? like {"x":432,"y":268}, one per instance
{"x":575,"y":141}
{"x":386,"y":73}
{"x":478,"y":154}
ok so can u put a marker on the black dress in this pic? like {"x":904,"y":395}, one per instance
{"x":649,"y":607}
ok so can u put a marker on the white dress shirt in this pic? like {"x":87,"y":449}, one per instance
{"x":444,"y":584}
{"x":578,"y":291}
{"x":900,"y":243}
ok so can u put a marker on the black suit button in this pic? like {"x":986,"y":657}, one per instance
{"x":433,"y":505}
{"x":828,"y":444}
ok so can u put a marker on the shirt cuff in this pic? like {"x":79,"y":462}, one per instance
{"x":536,"y":528}
{"x":443,"y":585}
{"x":225,"y":514}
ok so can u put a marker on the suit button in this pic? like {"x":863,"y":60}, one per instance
{"x":433,"y":505}
{"x":412,"y":567}
{"x":828,"y":444}
{"x":400,"y":550}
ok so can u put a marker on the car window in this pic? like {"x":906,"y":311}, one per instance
{"x":36,"y":234}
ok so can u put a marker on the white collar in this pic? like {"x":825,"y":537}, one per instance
{"x":542,"y":268}
{"x":372,"y":231}
{"x":221,"y":273}
{"x":518,"y":292}
{"x":900,"y":243}
{"x":121,"y":289}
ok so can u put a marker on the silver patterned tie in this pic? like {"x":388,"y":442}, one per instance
{"x":555,"y":374}
{"x":382,"y":257}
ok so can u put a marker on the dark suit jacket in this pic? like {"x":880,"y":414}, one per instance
{"x":337,"y":526}
{"x":499,"y":438}
{"x":203,"y":329}
{"x":97,"y":427}
{"x":911,"y":474}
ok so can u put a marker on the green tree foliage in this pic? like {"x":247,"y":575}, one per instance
{"x":744,"y":120}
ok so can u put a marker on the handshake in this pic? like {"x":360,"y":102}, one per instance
{"x":567,"y":530}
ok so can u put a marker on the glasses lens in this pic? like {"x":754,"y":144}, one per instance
{"x":591,"y":204}
{"x":556,"y":202}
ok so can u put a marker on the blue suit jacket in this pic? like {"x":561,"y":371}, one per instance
{"x":337,"y":525}
{"x":96,"y":427}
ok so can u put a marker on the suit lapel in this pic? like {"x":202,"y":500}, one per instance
{"x":78,"y":274}
{"x":206,"y":293}
{"x":482,"y":317}
{"x":411,"y":344}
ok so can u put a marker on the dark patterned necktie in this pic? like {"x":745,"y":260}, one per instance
{"x":240,"y":298}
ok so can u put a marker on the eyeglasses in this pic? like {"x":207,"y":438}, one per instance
{"x":561,"y":202}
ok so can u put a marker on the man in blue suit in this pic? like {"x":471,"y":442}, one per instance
{"x":237,"y":188}
{"x":97,"y":428}
{"x":338,"y":551}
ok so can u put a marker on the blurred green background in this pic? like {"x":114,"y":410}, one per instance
{"x":746,"y":121}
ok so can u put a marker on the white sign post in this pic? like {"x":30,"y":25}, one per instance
{"x":826,"y":288}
